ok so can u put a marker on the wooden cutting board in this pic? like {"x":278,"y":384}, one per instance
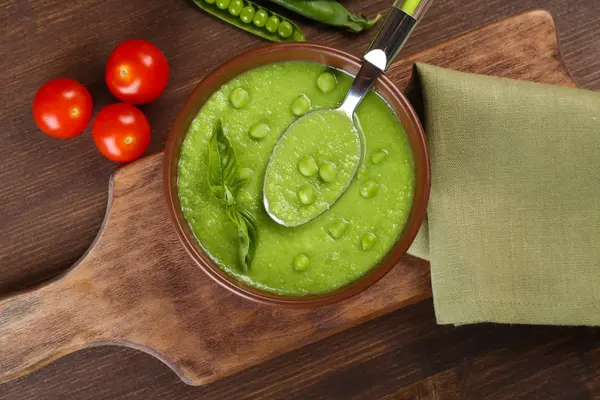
{"x":137,"y":287}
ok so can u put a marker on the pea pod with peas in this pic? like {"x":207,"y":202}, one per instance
{"x":267,"y":24}
{"x":253,"y":18}
{"x":329,"y":12}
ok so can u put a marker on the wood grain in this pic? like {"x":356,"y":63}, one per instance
{"x":136,"y":286}
{"x":53,"y":197}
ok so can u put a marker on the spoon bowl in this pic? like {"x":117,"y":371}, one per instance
{"x":303,"y":202}
{"x":321,"y":173}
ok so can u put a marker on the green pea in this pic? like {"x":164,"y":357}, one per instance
{"x":235,"y":8}
{"x":337,"y":228}
{"x":326,"y":82}
{"x":307,"y":194}
{"x":307,"y":166}
{"x":363,"y":173}
{"x":260,"y":18}
{"x":223,"y":4}
{"x":368,"y":241}
{"x":328,"y":172}
{"x":210,"y":1}
{"x":301,"y":106}
{"x":285,"y":29}
{"x":272,"y":24}
{"x":301,"y":262}
{"x":379,"y":156}
{"x":239,"y":98}
{"x":245,"y":174}
{"x":247,"y":14}
{"x":369,"y":189}
{"x":259,"y":131}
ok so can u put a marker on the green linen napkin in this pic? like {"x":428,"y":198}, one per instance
{"x":513,"y":230}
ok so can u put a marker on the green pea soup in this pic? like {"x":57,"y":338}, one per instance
{"x":347,"y":239}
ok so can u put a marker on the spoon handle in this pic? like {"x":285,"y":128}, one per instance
{"x":395,"y":31}
{"x":388,"y":42}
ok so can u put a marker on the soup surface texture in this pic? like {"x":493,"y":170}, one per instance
{"x":342,"y":243}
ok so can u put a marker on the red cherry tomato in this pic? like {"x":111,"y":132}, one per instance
{"x":62,"y":108}
{"x":121,"y":132}
{"x":137,"y":72}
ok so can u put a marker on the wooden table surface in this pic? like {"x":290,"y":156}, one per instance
{"x":53,"y":197}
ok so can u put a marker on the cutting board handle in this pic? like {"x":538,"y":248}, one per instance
{"x":117,"y":292}
{"x":39,"y":326}
{"x":42,"y":324}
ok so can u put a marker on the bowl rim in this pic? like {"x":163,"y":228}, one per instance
{"x":385,"y":87}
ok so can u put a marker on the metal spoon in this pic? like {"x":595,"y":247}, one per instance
{"x":384,"y":48}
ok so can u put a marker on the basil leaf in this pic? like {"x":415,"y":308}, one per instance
{"x":248,"y":246}
{"x":222,"y":163}
{"x":215,"y":172}
{"x":229,"y":197}
{"x":225,"y":183}
{"x":247,"y":234}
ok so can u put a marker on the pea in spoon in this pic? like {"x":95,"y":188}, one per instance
{"x":291,"y":203}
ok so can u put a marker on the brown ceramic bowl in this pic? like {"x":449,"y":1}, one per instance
{"x":295,"y":52}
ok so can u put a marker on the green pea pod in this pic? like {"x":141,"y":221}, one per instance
{"x":253,"y":18}
{"x":329,"y":12}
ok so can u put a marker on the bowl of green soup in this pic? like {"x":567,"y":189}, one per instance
{"x":216,"y":159}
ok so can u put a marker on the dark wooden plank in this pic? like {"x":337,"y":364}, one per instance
{"x":53,"y":194}
{"x":397,"y":356}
